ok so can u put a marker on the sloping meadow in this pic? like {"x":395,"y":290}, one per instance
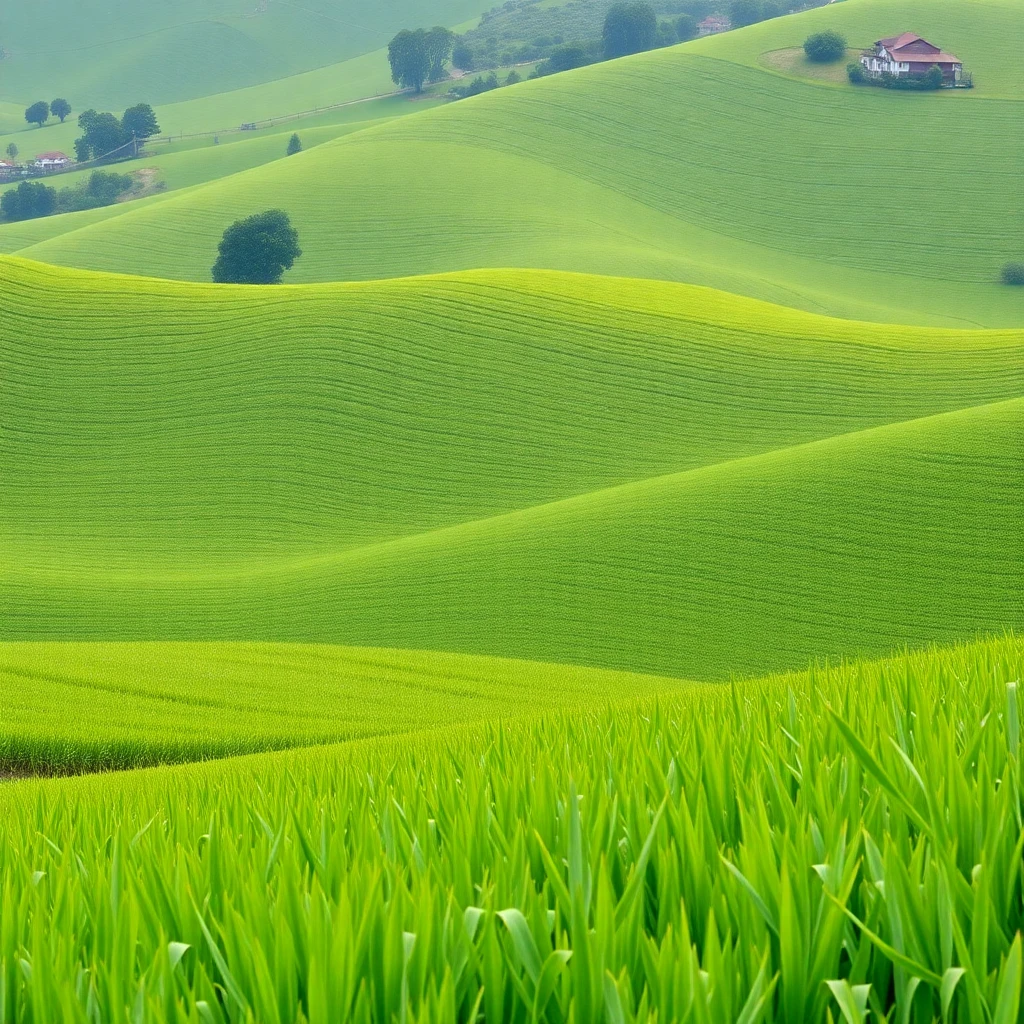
{"x":801,"y":848}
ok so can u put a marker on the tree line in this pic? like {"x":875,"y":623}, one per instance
{"x":33,"y":199}
{"x":39,"y":112}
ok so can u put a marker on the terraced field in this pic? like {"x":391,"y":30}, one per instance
{"x":757,"y":184}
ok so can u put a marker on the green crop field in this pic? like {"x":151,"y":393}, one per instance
{"x":851,"y":847}
{"x":589,"y":590}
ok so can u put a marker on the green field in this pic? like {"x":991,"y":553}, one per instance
{"x":112,"y":55}
{"x":854,"y":841}
{"x":750,"y":181}
{"x":588,"y":591}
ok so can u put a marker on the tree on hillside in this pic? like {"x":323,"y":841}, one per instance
{"x":38,"y":113}
{"x":30,"y":199}
{"x":1013,"y":274}
{"x":102,"y":135}
{"x":257,"y":250}
{"x":745,"y":12}
{"x":294,"y":145}
{"x":60,"y":108}
{"x":12,"y":151}
{"x":563,"y":58}
{"x":410,"y":62}
{"x":629,"y":28}
{"x":462,"y":56}
{"x":438,"y":43}
{"x":825,"y":47}
{"x":686,"y":27}
{"x":140,"y":122}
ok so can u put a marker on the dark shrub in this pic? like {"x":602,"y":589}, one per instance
{"x":855,"y":72}
{"x":30,"y":199}
{"x":257,"y":250}
{"x":1013,"y":274}
{"x":825,"y":47}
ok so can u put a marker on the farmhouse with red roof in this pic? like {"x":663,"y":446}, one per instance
{"x":51,"y":161}
{"x":910,"y":54}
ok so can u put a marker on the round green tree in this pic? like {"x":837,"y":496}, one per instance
{"x":825,"y":47}
{"x":38,"y":113}
{"x":629,"y":28}
{"x":1013,"y":274}
{"x":257,"y":250}
{"x":60,"y":108}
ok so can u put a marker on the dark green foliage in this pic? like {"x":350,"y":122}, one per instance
{"x":409,"y":59}
{"x":102,"y":189}
{"x":932,"y":78}
{"x":30,"y":199}
{"x":103,"y":135}
{"x":438,"y":43}
{"x":462,"y":56}
{"x":60,"y":108}
{"x":745,"y":12}
{"x":855,"y":72}
{"x":825,"y":47}
{"x":514,"y":78}
{"x":666,"y":34}
{"x":257,"y":250}
{"x":1013,"y":274}
{"x":479,"y":84}
{"x":686,"y":27}
{"x":629,"y":28}
{"x":565,"y":58}
{"x":12,"y":151}
{"x":38,"y":113}
{"x":140,"y":122}
{"x":294,"y":145}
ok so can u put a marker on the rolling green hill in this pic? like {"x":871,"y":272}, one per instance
{"x":101,"y":54}
{"x":545,"y":466}
{"x":741,"y":179}
{"x":141,"y":704}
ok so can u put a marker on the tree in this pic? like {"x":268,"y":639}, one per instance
{"x":60,"y":108}
{"x":745,"y":12}
{"x":629,"y":28}
{"x":38,"y":113}
{"x":12,"y":151}
{"x":564,"y":58}
{"x":29,"y":199}
{"x":855,"y":72}
{"x":825,"y":47}
{"x":438,"y":44}
{"x":686,"y":27}
{"x":513,"y":77}
{"x":140,"y":122}
{"x":410,"y":63}
{"x":294,"y":145}
{"x":462,"y":56}
{"x":257,"y":250}
{"x":932,"y":78}
{"x":103,"y":135}
{"x":1013,"y":274}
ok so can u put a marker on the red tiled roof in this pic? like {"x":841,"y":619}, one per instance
{"x":927,"y":58}
{"x":895,"y":42}
{"x":52,"y":156}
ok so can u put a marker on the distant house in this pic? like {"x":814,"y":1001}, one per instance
{"x":7,"y":169}
{"x":712,"y":24}
{"x":51,"y":162}
{"x":910,"y":54}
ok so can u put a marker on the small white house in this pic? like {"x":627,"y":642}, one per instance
{"x":51,"y":162}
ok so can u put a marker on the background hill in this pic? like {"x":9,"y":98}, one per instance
{"x":443,"y":463}
{"x":749,"y":181}
{"x":114,"y":54}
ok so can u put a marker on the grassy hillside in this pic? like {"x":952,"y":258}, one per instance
{"x":977,"y":32}
{"x":703,"y":851}
{"x":743,"y":180}
{"x":141,"y":704}
{"x":114,"y":54}
{"x":299,"y":465}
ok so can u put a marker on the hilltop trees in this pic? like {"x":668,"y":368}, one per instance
{"x":257,"y":250}
{"x":629,"y":28}
{"x":140,"y":122}
{"x":825,"y":47}
{"x":409,"y":59}
{"x":60,"y":108}
{"x":38,"y":113}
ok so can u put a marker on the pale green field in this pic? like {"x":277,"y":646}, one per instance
{"x":757,"y":184}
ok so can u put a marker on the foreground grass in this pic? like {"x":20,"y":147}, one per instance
{"x":137,"y":704}
{"x":794,"y":849}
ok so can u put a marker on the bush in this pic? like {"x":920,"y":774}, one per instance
{"x":257,"y":250}
{"x":825,"y":47}
{"x":30,"y":199}
{"x":1013,"y":274}
{"x":514,"y":78}
{"x":478,"y":85}
{"x":102,"y":189}
{"x":462,"y":57}
{"x":564,"y":58}
{"x":686,"y":27}
{"x":855,"y":72}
